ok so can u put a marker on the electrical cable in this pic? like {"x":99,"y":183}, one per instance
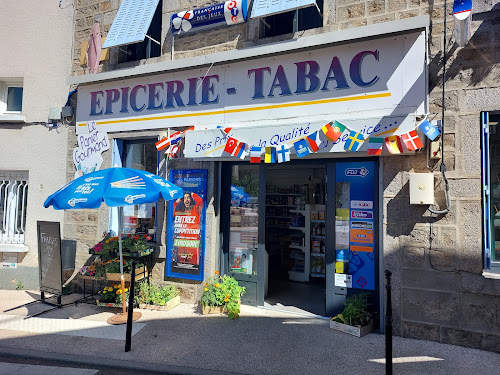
{"x":443,"y":165}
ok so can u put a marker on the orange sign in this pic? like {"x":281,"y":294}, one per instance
{"x":362,"y":235}
{"x":367,"y":249}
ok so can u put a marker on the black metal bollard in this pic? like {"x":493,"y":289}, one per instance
{"x":388,"y":325}
{"x":128,"y":335}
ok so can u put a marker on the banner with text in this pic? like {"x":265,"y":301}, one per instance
{"x":186,"y":225}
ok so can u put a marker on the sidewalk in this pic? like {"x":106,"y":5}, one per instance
{"x":182,"y":341}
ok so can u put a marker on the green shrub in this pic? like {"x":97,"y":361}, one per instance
{"x":151,"y":294}
{"x":356,"y":312}
{"x":223,"y":291}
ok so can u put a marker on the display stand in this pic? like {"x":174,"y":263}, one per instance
{"x":97,"y":284}
{"x":301,"y":254}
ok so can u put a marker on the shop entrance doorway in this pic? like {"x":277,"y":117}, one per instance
{"x":302,"y":236}
{"x":295,"y":237}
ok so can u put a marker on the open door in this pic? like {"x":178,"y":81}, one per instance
{"x":243,"y":228}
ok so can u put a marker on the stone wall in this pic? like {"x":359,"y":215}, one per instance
{"x":439,"y":291}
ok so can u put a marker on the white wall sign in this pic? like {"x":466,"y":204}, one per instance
{"x":9,"y":260}
{"x":343,"y":280}
{"x":376,"y":78}
{"x":87,"y":156}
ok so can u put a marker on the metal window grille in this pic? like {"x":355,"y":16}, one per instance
{"x":13,"y":199}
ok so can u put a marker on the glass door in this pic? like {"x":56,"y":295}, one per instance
{"x":243,"y":228}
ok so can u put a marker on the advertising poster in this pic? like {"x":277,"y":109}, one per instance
{"x":186,"y":225}
{"x":358,"y":178}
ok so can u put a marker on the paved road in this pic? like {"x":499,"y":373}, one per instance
{"x":29,"y":366}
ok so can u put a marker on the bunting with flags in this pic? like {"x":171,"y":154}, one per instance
{"x":270,"y":155}
{"x":393,"y":144}
{"x":255,"y":153}
{"x":354,"y":141}
{"x":310,"y":141}
{"x":429,"y":130}
{"x":283,"y":153}
{"x":241,"y":150}
{"x":314,"y":141}
{"x":301,"y":148}
{"x":412,"y":141}
{"x":231,"y":145}
{"x":334,"y":132}
{"x":375,"y":146}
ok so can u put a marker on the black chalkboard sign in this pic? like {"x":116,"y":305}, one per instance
{"x":49,"y":257}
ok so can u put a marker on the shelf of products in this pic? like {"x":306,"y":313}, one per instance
{"x":300,"y":254}
{"x":318,"y":245}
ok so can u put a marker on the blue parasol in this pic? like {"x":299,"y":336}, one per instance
{"x":117,"y":187}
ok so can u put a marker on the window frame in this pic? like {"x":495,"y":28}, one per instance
{"x":5,"y":84}
{"x":119,"y":156}
{"x":296,"y":20}
{"x":488,"y":218}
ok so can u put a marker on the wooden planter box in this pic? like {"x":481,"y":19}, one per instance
{"x":85,"y":277}
{"x":213,"y":309}
{"x":168,"y":306}
{"x":140,"y":273}
{"x":109,"y":304}
{"x":357,"y":331}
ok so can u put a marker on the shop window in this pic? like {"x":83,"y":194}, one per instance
{"x":491,"y":179}
{"x":142,"y":155}
{"x":13,"y":206}
{"x":294,"y":20}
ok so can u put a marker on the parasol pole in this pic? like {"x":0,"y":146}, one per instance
{"x":122,"y":278}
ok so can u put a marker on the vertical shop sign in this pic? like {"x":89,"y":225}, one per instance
{"x":186,"y":225}
{"x":358,"y":181}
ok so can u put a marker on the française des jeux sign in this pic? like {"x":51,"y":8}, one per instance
{"x":377,"y":77}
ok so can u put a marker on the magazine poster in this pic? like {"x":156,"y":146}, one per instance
{"x":186,"y":225}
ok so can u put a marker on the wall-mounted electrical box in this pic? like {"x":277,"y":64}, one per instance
{"x":421,"y":188}
{"x":55,"y":113}
{"x":435,"y":150}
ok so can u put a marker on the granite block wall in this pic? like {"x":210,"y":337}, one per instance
{"x":439,"y":292}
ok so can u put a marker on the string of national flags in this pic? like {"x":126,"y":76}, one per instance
{"x":172,"y":143}
{"x":310,"y":144}
{"x":332,"y":131}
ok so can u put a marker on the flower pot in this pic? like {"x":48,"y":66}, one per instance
{"x":213,"y":309}
{"x":168,"y":306}
{"x":357,"y":331}
{"x":140,"y":273}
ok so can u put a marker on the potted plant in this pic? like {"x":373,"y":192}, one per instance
{"x":152,"y":297}
{"x":222,"y":294}
{"x":111,"y":296}
{"x":356,"y":318}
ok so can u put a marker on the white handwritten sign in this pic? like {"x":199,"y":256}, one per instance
{"x":87,"y":156}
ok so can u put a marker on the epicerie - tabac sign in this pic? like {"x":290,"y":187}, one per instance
{"x":356,"y":80}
